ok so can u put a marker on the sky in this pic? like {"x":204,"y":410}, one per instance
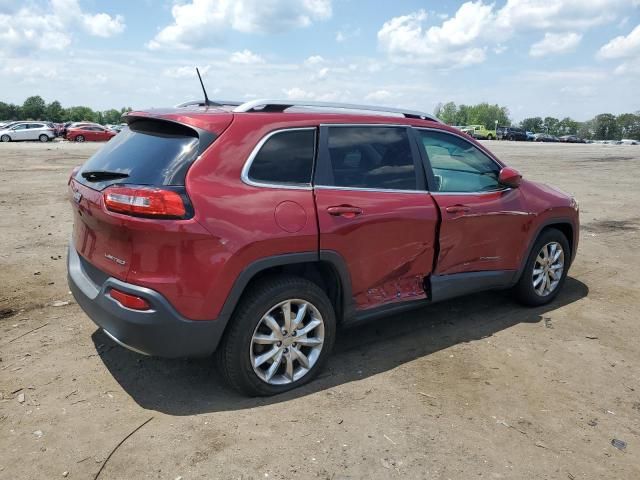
{"x":574,"y":58}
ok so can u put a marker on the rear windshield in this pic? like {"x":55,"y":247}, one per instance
{"x":147,"y":152}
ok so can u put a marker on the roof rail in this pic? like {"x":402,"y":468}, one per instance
{"x":211,"y":103}
{"x":282,"y":105}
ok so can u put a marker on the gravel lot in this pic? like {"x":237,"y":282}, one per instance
{"x":472,"y":388}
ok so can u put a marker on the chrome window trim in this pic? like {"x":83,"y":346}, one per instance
{"x":254,"y":153}
{"x":364,"y":189}
{"x":490,"y":157}
{"x":398,"y":125}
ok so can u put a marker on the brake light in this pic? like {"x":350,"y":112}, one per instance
{"x":74,"y":171}
{"x":129,"y":301}
{"x":144,"y":201}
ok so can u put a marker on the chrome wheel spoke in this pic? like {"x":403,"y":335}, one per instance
{"x":302,"y":311}
{"x":309,"y":326}
{"x":270,"y":322}
{"x":302,"y":358}
{"x":274,"y":366}
{"x":286,"y":314}
{"x":289,"y":366}
{"x":266,"y":356}
{"x":265,"y":339}
{"x":309,"y":342}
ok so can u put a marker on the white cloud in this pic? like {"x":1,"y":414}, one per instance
{"x":185,"y":72}
{"x":378,"y":96}
{"x":103,"y":25}
{"x":622,"y":46}
{"x":245,"y":57}
{"x":22,"y":30}
{"x":464,"y":38}
{"x":555,"y":43}
{"x":518,"y":15}
{"x":314,"y":60}
{"x":450,"y":45}
{"x":200,"y":22}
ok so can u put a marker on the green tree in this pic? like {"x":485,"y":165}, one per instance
{"x":606,"y":127}
{"x":533,"y":124}
{"x":9,"y":111}
{"x":586,"y":129}
{"x":567,"y":126}
{"x":111,"y":116}
{"x":33,"y":108}
{"x":80,"y":114}
{"x":447,"y":112}
{"x":628,"y":125}
{"x":54,"y":112}
{"x":551,"y":125}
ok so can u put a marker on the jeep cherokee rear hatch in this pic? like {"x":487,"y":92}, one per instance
{"x":128,"y":196}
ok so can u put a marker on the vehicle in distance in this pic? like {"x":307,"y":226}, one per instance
{"x":89,"y":133}
{"x":511,"y":133}
{"x":479,"y":132}
{"x":255,"y":231}
{"x":544,"y":137}
{"x":21,"y":131}
{"x":570,"y":139}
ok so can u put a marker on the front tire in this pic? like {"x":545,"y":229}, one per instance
{"x":279,"y":337}
{"x":546,"y":269}
{"x":5,"y":138}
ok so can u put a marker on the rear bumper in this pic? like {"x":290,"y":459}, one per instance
{"x":161,"y":331}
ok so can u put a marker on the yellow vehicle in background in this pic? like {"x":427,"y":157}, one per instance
{"x":479,"y":132}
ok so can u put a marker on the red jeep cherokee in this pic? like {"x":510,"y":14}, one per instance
{"x":255,"y":231}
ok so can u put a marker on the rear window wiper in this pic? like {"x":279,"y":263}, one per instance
{"x":98,"y":175}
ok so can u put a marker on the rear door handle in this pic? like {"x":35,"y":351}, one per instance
{"x":458,"y":209}
{"x":346,"y":211}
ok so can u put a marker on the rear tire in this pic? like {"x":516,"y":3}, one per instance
{"x":544,"y":274}
{"x":252,"y":335}
{"x":5,"y":138}
{"x":43,"y":138}
{"x":80,"y":138}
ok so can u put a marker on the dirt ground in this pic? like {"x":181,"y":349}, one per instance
{"x":478,"y":387}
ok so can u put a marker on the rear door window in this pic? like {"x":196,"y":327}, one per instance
{"x":285,"y":158}
{"x":370,"y":157}
{"x":149,"y":152}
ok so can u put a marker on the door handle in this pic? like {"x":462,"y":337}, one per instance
{"x":346,"y":211}
{"x":458,"y":209}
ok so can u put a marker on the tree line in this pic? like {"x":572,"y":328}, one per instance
{"x":35,"y":108}
{"x":605,"y":126}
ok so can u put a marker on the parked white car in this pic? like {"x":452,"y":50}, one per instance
{"x":28,"y":131}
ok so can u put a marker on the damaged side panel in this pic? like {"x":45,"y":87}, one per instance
{"x":389,"y":246}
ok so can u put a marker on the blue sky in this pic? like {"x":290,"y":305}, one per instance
{"x":561,"y":58}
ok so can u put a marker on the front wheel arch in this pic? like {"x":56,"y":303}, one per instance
{"x":563,"y":225}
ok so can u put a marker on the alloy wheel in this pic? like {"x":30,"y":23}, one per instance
{"x":287,"y":342}
{"x":548,"y":269}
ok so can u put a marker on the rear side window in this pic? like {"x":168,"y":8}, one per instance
{"x":286,"y":157}
{"x":371,"y":157}
{"x":149,"y":152}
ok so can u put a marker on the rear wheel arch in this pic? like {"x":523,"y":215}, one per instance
{"x":327,"y":270}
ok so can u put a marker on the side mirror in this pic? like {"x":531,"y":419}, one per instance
{"x":510,"y":177}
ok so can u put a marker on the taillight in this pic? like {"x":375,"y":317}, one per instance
{"x":145,"y":202}
{"x":74,"y":171}
{"x":130,"y":301}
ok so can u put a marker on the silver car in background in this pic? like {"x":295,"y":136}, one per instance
{"x":28,"y":131}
